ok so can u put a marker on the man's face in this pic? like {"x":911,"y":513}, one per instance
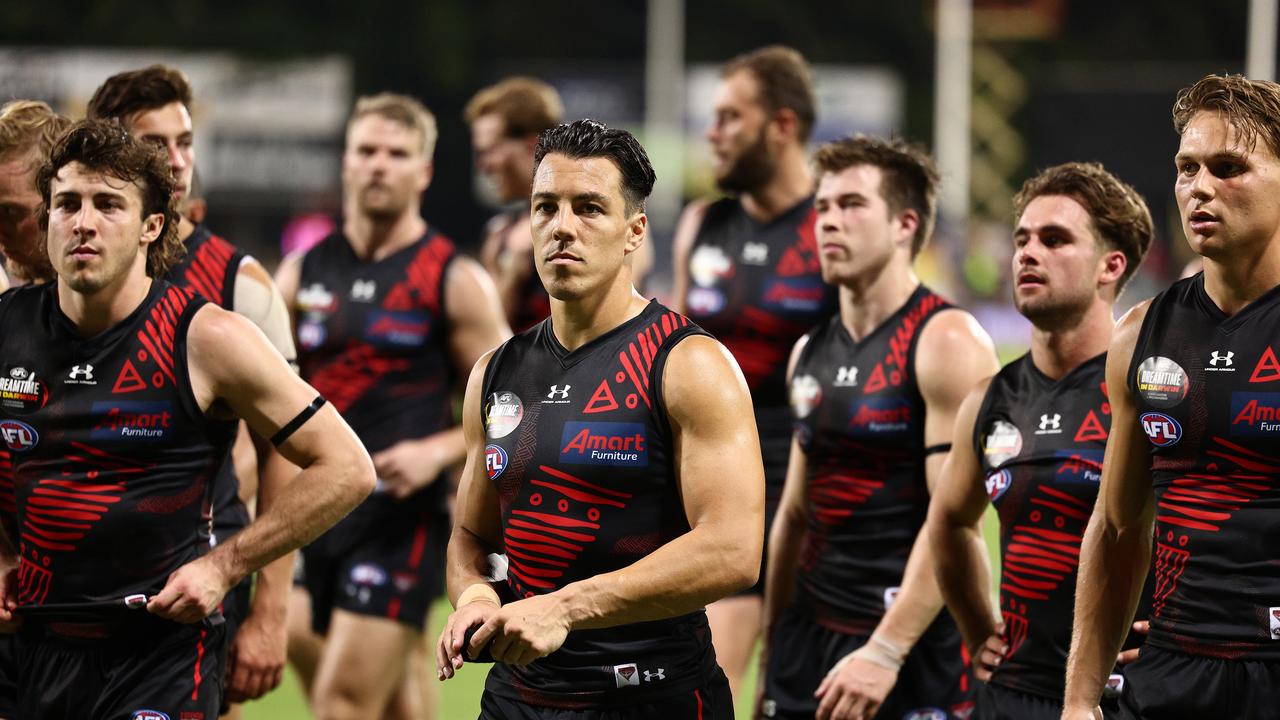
{"x":1226,"y":193}
{"x":1057,"y":261}
{"x":582,"y":231}
{"x":169,"y":128}
{"x":741,"y":159}
{"x":19,"y":227}
{"x":384,"y":171}
{"x":857,"y":232}
{"x":505,"y":162}
{"x":97,"y":235}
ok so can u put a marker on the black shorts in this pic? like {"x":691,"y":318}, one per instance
{"x":8,"y":677}
{"x":235,"y":607}
{"x":390,"y":566}
{"x":996,"y":702}
{"x":146,"y":669}
{"x":709,"y":702}
{"x":934,"y":682}
{"x":1172,"y":686}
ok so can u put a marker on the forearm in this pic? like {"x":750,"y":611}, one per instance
{"x":964,"y":577}
{"x":466,"y":563}
{"x":450,"y":445}
{"x":918,"y":600}
{"x":1113,"y":567}
{"x":274,"y":581}
{"x":697,"y":568}
{"x":785,"y":540}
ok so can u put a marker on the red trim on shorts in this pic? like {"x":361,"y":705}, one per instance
{"x":419,"y":545}
{"x":965,"y":661}
{"x":195,"y":691}
{"x":393,"y":608}
{"x":698,"y":696}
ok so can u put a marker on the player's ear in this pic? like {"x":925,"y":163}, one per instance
{"x":428,"y":172}
{"x":637,"y":228}
{"x":786,"y":123}
{"x":1111,"y":267}
{"x":152,"y":226}
{"x":909,"y":221}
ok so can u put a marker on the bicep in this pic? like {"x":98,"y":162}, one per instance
{"x":477,"y":500}
{"x":954,"y":354}
{"x":960,"y":496}
{"x":477,"y":323}
{"x":681,"y":246}
{"x":258,"y":298}
{"x":1125,"y":493}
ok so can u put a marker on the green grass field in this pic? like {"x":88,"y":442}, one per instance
{"x":459,"y":699}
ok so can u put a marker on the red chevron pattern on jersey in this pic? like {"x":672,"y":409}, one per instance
{"x":348,"y":376}
{"x":207,"y":273}
{"x":543,"y":539}
{"x":1204,"y":502}
{"x":1038,"y":558}
{"x":891,"y":371}
{"x":754,"y":343}
{"x":421,"y":285}
{"x":631,"y":378}
{"x":154,"y":360}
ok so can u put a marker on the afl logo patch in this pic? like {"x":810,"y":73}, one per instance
{"x":19,"y":436}
{"x":502,"y":414}
{"x":998,"y":483}
{"x":148,"y":715}
{"x":495,"y":460}
{"x":1162,"y":382}
{"x":1161,"y":429}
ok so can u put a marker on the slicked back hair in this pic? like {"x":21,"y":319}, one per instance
{"x":909,"y":178}
{"x":590,"y":138}
{"x":128,"y":93}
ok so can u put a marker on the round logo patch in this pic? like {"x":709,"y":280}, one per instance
{"x":1002,"y":443}
{"x":1162,"y":382}
{"x":708,"y":264}
{"x":21,"y":392}
{"x":997,"y":483}
{"x":502,"y":414}
{"x":806,"y":393}
{"x":1161,"y":429}
{"x":18,"y":436}
{"x":495,"y":460}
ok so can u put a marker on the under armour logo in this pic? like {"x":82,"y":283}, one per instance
{"x":1217,"y":357}
{"x":755,"y":253}
{"x":556,"y":392}
{"x":363,"y":290}
{"x":648,"y":676}
{"x":846,"y":376}
{"x":81,"y":372}
{"x":1050,"y":422}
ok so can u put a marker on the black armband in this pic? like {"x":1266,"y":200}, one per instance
{"x":939,"y":448}
{"x":292,"y":426}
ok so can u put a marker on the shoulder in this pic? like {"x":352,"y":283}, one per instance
{"x":1124,"y":340}
{"x":951,"y":330}
{"x":689,"y":224}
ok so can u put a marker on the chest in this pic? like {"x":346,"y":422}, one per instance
{"x":381,"y":305}
{"x":775,"y":268}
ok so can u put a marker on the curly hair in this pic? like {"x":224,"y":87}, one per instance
{"x":105,"y":146}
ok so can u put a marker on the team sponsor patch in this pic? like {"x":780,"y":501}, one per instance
{"x":133,"y":421}
{"x":148,"y":715}
{"x":502,"y":414}
{"x":806,"y":393}
{"x":1162,"y":382}
{"x":1079,"y":466}
{"x":707,"y":264}
{"x":879,"y":415}
{"x":1255,"y":413}
{"x":997,"y":483}
{"x":18,"y":436}
{"x":1001,"y":443}
{"x":926,"y":713}
{"x":705,"y":301}
{"x":402,"y":329}
{"x":495,"y":460}
{"x":625,"y":675}
{"x":368,"y":574}
{"x":1161,"y":429}
{"x":21,"y":391}
{"x":802,"y":294}
{"x":604,"y":443}
{"x":316,"y":299}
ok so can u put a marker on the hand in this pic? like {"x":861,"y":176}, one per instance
{"x":854,"y":689}
{"x":524,"y":631}
{"x":192,"y":592}
{"x":1094,"y":713}
{"x":10,"y":621}
{"x":1142,"y":627}
{"x":255,"y":662}
{"x":988,"y":656}
{"x":408,"y":466}
{"x":449,"y":650}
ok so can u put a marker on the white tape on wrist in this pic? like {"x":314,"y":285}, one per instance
{"x":882,"y":652}
{"x":479,"y":591}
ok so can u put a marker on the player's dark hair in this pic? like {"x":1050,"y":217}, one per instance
{"x":1252,"y":107}
{"x":909,"y":178}
{"x":128,"y":93}
{"x":1119,"y":214}
{"x":526,"y":105}
{"x":785,"y":80}
{"x":591,"y":138}
{"x":105,"y":146}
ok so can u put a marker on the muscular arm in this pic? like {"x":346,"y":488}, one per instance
{"x":1116,"y":551}
{"x":681,"y":245}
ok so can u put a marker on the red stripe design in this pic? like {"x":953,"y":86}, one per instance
{"x":698,"y":696}
{"x":195,"y":691}
{"x":1038,"y":559}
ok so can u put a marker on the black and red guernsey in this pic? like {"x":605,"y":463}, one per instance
{"x":758,"y":288}
{"x":859,"y":418}
{"x":1207,"y":393}
{"x":112,"y":457}
{"x":373,"y":339}
{"x":580,"y":451}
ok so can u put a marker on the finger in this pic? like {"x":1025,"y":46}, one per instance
{"x":444,"y":645}
{"x":484,"y":634}
{"x":847,"y":709}
{"x":163,"y":601}
{"x":1128,"y":656}
{"x":277,"y":677}
{"x":257,"y":686}
{"x":858,"y":708}
{"x":1142,"y":626}
{"x":502,"y":646}
{"x":827,"y":704}
{"x":823,"y":686}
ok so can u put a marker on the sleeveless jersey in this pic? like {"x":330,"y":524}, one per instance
{"x":859,"y":418}
{"x":209,"y":270}
{"x":373,"y":339}
{"x":758,"y":288}
{"x":112,"y":456}
{"x":580,"y":452}
{"x":1207,"y":394}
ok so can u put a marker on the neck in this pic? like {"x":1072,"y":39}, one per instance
{"x":1232,"y":283}
{"x":1057,"y":350}
{"x":185,"y":228}
{"x":578,"y":321}
{"x":93,"y":313}
{"x":376,"y":238}
{"x":791,"y":183}
{"x":866,"y":302}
